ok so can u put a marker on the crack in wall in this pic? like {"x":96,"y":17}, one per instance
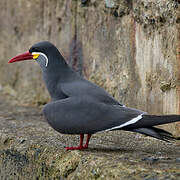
{"x":75,"y":47}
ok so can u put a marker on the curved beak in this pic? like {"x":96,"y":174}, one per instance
{"x":21,"y":57}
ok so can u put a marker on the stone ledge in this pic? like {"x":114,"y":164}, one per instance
{"x":29,"y":148}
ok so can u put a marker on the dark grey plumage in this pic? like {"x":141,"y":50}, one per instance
{"x":81,"y":107}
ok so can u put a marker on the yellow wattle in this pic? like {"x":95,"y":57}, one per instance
{"x":35,"y":56}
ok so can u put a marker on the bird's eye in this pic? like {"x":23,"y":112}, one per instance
{"x":35,"y":50}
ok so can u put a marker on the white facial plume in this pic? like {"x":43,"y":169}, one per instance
{"x":37,"y":54}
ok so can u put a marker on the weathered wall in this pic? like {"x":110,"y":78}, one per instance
{"x":128,"y":47}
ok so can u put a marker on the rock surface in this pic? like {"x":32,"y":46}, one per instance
{"x":31,"y":149}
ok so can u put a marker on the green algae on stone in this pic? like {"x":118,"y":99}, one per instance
{"x":68,"y":163}
{"x":166,"y":86}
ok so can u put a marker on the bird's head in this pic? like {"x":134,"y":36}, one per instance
{"x":41,"y":52}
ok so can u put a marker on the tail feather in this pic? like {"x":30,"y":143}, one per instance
{"x":156,"y":133}
{"x":154,"y":120}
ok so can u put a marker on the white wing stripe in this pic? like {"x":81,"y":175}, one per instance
{"x":132,"y":121}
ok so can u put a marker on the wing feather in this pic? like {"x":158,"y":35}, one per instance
{"x":84,"y":115}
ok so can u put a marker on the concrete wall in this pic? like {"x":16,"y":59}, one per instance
{"x":128,"y":47}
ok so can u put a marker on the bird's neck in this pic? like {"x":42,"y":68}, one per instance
{"x":54,"y":76}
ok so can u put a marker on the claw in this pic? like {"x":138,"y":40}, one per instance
{"x":74,"y":148}
{"x":81,"y":147}
{"x":85,"y":146}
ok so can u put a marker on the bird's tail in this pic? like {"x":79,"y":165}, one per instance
{"x":154,"y":120}
{"x":146,"y":123}
{"x":156,"y":133}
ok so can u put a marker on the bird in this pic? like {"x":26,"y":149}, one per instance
{"x":80,"y":107}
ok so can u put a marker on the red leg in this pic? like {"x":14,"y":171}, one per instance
{"x":80,"y":147}
{"x":87,"y":141}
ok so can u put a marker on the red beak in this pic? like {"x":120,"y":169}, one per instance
{"x":25,"y":56}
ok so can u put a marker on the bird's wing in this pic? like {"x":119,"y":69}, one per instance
{"x":84,"y":115}
{"x":83,"y":87}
